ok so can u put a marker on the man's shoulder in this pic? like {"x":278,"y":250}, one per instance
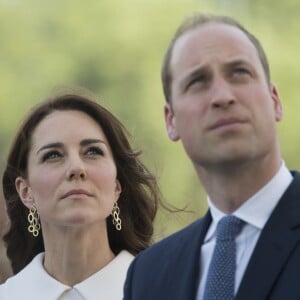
{"x":176,"y":241}
{"x":294,"y":187}
{"x":295,"y":174}
{"x":177,"y":254}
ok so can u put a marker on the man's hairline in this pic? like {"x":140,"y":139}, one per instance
{"x":197,"y":27}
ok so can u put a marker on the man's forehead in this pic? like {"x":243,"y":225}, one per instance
{"x":209,"y":37}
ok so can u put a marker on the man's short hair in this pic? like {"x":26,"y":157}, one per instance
{"x":197,"y":20}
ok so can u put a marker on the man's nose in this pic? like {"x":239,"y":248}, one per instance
{"x":222,"y":95}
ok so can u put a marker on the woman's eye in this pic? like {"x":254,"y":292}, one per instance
{"x":94,"y":151}
{"x":51,"y":155}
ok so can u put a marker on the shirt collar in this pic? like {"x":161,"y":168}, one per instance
{"x":108,"y":282}
{"x":258,"y":208}
{"x":38,"y":284}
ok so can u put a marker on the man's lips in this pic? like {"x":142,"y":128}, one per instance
{"x":226,"y":122}
{"x":76,"y":192}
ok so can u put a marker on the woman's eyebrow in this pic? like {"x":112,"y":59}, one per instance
{"x":51,"y":145}
{"x":86,"y":142}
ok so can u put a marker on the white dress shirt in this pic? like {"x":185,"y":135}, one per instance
{"x":34,"y":283}
{"x":255,"y":212}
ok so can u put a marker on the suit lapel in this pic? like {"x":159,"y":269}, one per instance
{"x":187,"y":260}
{"x":277,"y":241}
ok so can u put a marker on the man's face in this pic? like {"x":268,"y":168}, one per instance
{"x":222,"y":107}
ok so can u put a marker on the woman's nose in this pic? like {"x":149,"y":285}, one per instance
{"x":77,"y":174}
{"x":76,"y":170}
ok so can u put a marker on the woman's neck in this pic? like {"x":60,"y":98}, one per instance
{"x":74,"y":254}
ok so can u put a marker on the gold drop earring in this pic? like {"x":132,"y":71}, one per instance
{"x":34,"y":223}
{"x":116,"y":217}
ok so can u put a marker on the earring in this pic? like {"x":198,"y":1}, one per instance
{"x":116,"y":217}
{"x":33,"y":219}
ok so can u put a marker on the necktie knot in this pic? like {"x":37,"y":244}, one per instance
{"x":228,"y":228}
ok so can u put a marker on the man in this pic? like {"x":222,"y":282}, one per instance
{"x":221,"y":104}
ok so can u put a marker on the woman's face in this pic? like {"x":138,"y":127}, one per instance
{"x":72,"y":177}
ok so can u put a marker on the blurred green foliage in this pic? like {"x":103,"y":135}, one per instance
{"x":115,"y":48}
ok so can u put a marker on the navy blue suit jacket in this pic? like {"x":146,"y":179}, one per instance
{"x":170,"y":268}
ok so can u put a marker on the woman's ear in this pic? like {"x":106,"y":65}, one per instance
{"x":24,"y":191}
{"x":118,"y":189}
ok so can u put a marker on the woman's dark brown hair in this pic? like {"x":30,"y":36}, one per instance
{"x":138,"y":200}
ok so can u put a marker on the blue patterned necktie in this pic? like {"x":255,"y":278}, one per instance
{"x":221,"y":273}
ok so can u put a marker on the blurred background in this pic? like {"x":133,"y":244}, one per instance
{"x":115,"y":49}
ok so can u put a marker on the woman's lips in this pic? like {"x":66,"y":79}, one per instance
{"x":76,"y":193}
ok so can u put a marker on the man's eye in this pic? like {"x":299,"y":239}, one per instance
{"x":197,"y":80}
{"x":241,"y":71}
{"x":94,"y":151}
{"x":51,"y":155}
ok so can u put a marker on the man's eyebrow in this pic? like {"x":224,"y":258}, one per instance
{"x":192,"y":74}
{"x":237,"y":62}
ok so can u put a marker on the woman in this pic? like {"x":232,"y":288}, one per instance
{"x":80,"y":202}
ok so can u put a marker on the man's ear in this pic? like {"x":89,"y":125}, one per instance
{"x":277,"y":103}
{"x":170,"y":120}
{"x":24,"y":191}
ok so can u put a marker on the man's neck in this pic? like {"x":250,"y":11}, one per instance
{"x":229,"y":188}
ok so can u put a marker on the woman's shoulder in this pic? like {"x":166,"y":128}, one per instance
{"x":120,"y":263}
{"x":15,"y":286}
{"x":124,"y":255}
